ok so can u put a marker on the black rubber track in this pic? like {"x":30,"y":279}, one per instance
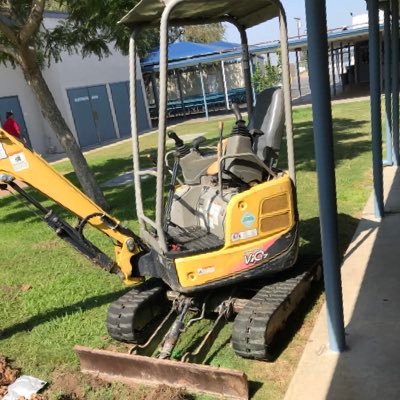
{"x":131,"y":314}
{"x":254,"y":326}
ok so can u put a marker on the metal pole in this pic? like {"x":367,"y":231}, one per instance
{"x":203,"y":90}
{"x":298,"y":72}
{"x":387,"y":80}
{"x":225,"y":85}
{"x":155,"y":90}
{"x":253,"y":90}
{"x":349,"y":50}
{"x":395,"y":80}
{"x":333,"y":69}
{"x":287,"y":91}
{"x":376,"y":118}
{"x":134,"y":130}
{"x":341,"y":65}
{"x":162,"y":124}
{"x":341,"y":58}
{"x":382,"y":69}
{"x":246,"y":69}
{"x":178,"y":81}
{"x":323,"y":142}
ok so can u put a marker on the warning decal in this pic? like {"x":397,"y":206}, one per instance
{"x":19,"y":162}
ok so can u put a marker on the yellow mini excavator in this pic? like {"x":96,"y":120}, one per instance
{"x":224,"y":241}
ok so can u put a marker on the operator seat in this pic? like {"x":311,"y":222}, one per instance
{"x":267,"y":125}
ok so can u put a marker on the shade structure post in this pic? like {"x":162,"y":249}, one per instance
{"x":395,"y":81}
{"x":387,"y":81}
{"x":298,"y":72}
{"x":155,"y":90}
{"x":225,"y":85}
{"x":333,"y":68}
{"x":376,"y":117}
{"x":349,"y":54}
{"x":341,"y":58}
{"x":324,"y":155}
{"x":203,"y":91}
{"x":253,"y":90}
{"x":181,"y":97}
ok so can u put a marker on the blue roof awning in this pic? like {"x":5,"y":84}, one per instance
{"x":180,"y":51}
{"x":187,"y":54}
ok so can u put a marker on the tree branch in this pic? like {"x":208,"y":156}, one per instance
{"x":33,"y":22}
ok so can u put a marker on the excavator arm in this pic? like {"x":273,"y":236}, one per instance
{"x":19,"y":164}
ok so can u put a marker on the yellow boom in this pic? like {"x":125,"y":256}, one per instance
{"x":19,"y":163}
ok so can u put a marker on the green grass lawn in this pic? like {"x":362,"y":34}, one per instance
{"x":53,"y":298}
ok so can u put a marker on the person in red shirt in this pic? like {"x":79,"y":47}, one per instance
{"x":11,"y":125}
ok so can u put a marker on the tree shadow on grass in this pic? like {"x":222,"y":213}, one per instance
{"x":84,"y":305}
{"x":311,"y":238}
{"x":349,"y":142}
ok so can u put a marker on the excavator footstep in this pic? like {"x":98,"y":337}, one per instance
{"x":132,"y":369}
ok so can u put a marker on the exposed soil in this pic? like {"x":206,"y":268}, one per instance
{"x":7,"y":375}
{"x":47,"y":245}
{"x":9,"y":293}
{"x":75,"y":386}
{"x":166,"y":393}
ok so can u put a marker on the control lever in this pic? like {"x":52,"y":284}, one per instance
{"x":182,"y":149}
{"x":236,"y":111}
{"x":198,"y":141}
{"x":178,"y":141}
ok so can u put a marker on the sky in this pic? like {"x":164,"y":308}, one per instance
{"x":338,"y":15}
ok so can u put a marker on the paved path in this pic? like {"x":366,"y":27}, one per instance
{"x":369,"y":369}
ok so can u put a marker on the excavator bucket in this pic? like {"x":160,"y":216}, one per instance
{"x":132,"y":369}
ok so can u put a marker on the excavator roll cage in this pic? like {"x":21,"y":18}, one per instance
{"x":242,"y":15}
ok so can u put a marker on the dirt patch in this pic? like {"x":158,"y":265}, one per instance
{"x":7,"y":375}
{"x":166,"y":393}
{"x":47,"y":245}
{"x":68,"y":384}
{"x":25,"y":287}
{"x":10,"y":293}
{"x":72,"y":385}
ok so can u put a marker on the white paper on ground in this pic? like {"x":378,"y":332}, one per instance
{"x":24,"y":386}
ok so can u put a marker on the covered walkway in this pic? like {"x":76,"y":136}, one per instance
{"x":369,"y":368}
{"x":353,"y":351}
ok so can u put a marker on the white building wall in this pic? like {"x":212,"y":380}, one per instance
{"x":12,"y":83}
{"x":72,"y":72}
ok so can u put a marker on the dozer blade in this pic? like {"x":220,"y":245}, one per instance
{"x":133,"y":369}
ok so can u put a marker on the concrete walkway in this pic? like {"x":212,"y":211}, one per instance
{"x":370,"y":368}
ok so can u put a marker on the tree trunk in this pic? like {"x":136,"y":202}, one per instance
{"x":34,"y":78}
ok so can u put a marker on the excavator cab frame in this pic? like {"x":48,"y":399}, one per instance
{"x":166,"y":13}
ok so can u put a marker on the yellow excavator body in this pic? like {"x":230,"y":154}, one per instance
{"x":270,"y":211}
